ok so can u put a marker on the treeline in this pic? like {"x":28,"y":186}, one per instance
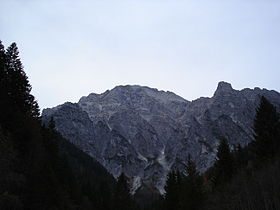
{"x":39,"y":169}
{"x":241,"y":178}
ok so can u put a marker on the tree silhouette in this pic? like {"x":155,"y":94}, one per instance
{"x":18,"y":87}
{"x":172,"y":190}
{"x":122,"y":195}
{"x":224,"y":163}
{"x":191,"y":196}
{"x":267,"y":130}
{"x":2,"y":61}
{"x":4,"y":102}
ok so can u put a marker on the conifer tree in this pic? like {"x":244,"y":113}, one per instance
{"x":18,"y":86}
{"x":267,"y":130}
{"x":6,"y":105}
{"x":122,"y":196}
{"x":2,"y":60}
{"x":191,"y":196}
{"x":172,"y":190}
{"x":3,"y":72}
{"x":240,"y":157}
{"x":191,"y":169}
{"x":3,"y":85}
{"x":224,"y":165}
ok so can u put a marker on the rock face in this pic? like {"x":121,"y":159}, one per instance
{"x":144,"y":132}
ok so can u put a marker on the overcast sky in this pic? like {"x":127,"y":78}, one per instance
{"x":72,"y":48}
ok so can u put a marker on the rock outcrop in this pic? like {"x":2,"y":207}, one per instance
{"x":144,"y":132}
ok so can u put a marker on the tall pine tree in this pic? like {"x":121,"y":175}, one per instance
{"x":18,"y":87}
{"x":224,"y":165}
{"x":4,"y":102}
{"x":191,"y":195}
{"x":267,"y":131}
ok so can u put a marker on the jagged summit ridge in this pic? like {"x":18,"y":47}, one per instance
{"x":126,"y":91}
{"x":140,"y":99}
{"x":144,"y":132}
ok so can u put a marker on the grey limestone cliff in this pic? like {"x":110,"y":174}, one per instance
{"x":144,"y":132}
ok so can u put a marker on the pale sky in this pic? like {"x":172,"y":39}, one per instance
{"x":71,"y":48}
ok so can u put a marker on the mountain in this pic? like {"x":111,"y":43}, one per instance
{"x":144,"y":132}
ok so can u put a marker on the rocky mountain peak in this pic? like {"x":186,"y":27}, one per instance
{"x":223,"y":87}
{"x":145,"y":132}
{"x":134,"y":94}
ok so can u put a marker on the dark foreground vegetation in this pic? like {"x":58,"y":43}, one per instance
{"x":41,"y":170}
